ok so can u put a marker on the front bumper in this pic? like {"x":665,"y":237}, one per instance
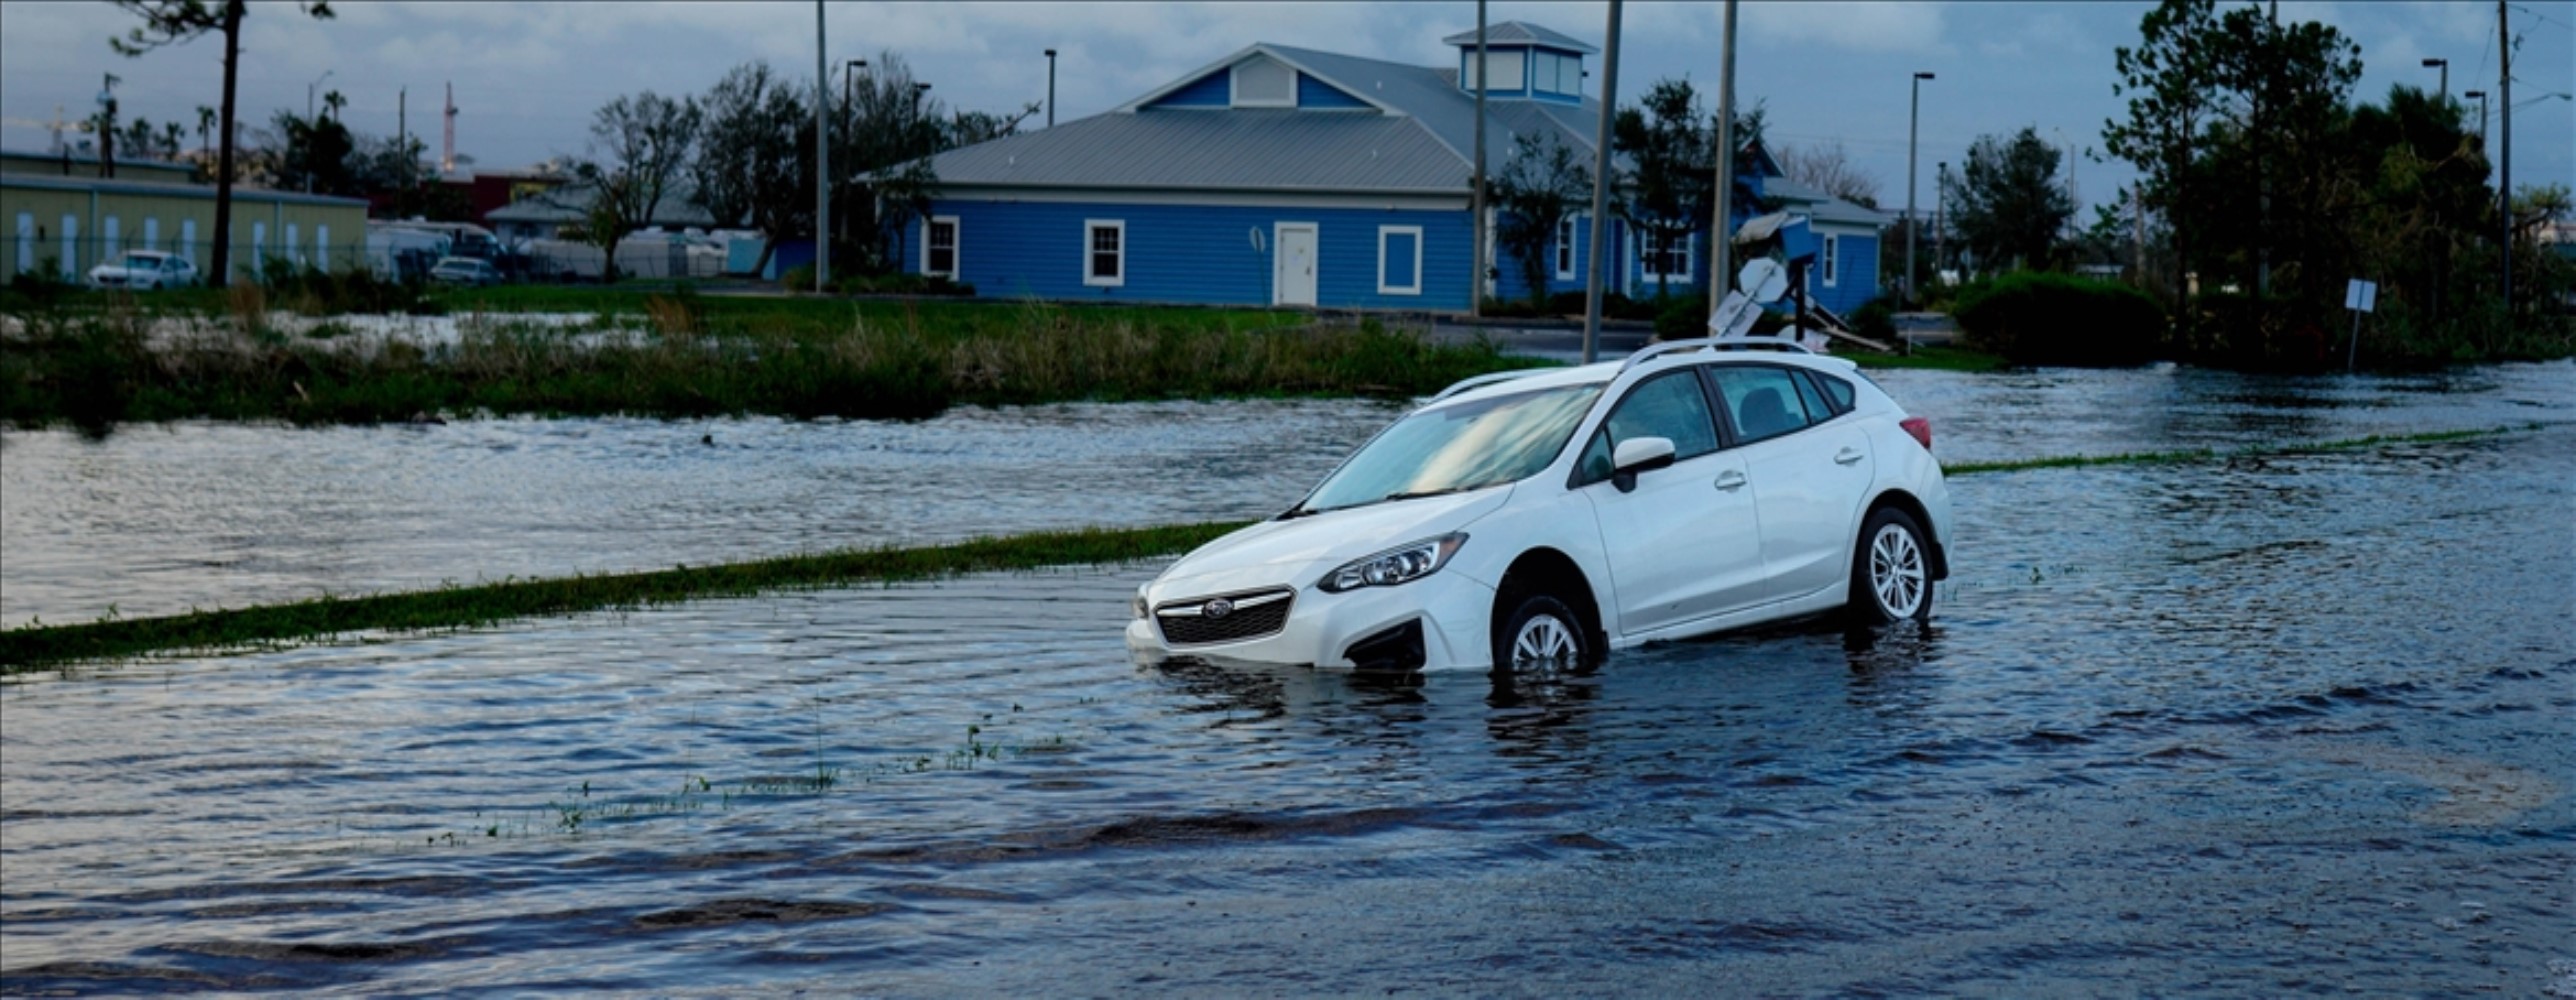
{"x":1455,"y":614}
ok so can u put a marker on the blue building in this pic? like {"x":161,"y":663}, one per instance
{"x":1288,"y":176}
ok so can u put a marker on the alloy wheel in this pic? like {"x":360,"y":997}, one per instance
{"x":1896,"y":573}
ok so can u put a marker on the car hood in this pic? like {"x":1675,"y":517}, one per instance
{"x":1298,"y":551}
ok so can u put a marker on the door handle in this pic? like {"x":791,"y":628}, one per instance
{"x":1730,"y":480}
{"x":1848,"y":456}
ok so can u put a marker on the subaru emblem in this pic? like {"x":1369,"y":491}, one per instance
{"x":1218,"y":608}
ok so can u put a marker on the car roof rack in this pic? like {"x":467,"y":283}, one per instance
{"x":1653,"y":351}
{"x":1481,"y":381}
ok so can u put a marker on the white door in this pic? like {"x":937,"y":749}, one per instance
{"x":1810,"y":473}
{"x":1293,"y":284}
{"x":1680,"y":542}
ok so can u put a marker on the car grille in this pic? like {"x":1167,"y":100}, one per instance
{"x":1247,"y":616}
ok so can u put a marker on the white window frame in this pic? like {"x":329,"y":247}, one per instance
{"x":1386,"y":289}
{"x":1831,"y":258}
{"x":1234,"y":90}
{"x":957,"y":247}
{"x":1518,"y":59}
{"x":1091,"y":279}
{"x":1568,"y":230}
{"x":1646,"y":257}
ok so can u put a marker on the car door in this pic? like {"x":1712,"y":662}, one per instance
{"x":1809,"y":470}
{"x":1680,"y":545}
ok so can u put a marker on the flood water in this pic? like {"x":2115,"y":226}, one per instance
{"x":2296,"y":724}
{"x":160,"y":519}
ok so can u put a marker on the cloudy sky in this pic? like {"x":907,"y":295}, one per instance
{"x":528,"y":75}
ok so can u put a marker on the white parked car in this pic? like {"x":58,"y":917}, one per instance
{"x":1540,"y":518}
{"x":144,"y":269}
{"x":465,"y":271}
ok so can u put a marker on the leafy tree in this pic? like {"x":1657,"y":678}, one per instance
{"x":167,"y":22}
{"x":966,"y":128}
{"x":315,"y":155}
{"x":1673,"y":143}
{"x":883,"y":138}
{"x":1542,"y":184}
{"x":2011,"y":204}
{"x":644,"y":141}
{"x":1828,"y":168}
{"x":754,"y":162}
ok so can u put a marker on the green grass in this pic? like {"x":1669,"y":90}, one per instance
{"x":2215,"y":455}
{"x":699,"y":356}
{"x":36,"y":646}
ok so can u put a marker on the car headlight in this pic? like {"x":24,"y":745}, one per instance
{"x":1402,"y":564}
{"x":1139,"y":605}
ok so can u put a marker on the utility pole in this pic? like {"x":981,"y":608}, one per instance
{"x":1940,"y":225}
{"x":1601,"y":189}
{"x":1476,"y":201}
{"x":2504,"y":151}
{"x":822,"y":160}
{"x":402,"y":145}
{"x":1721,"y":228}
{"x":1913,"y":128}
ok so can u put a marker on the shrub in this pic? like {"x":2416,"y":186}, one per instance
{"x":1875,"y":320}
{"x":2034,"y":318}
{"x":798,"y":279}
{"x":1682,"y":318}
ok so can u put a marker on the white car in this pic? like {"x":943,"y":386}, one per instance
{"x":1538,"y":519}
{"x":144,"y":269}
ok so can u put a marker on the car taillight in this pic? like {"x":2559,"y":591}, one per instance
{"x":1920,"y":428}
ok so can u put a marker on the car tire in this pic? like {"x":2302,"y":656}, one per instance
{"x":1539,"y":632}
{"x":1891,"y":577}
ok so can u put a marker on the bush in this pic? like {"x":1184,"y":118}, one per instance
{"x":1876,"y":320}
{"x":2034,"y":318}
{"x":1682,"y":318}
{"x":798,"y":279}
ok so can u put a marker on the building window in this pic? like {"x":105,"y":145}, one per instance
{"x":1566,"y":228}
{"x":26,"y":243}
{"x":71,"y":247}
{"x":1508,"y":66}
{"x":1263,"y":82}
{"x":1832,"y":258}
{"x":939,"y":247}
{"x":151,"y":234}
{"x":1104,"y":243}
{"x":1399,"y":260}
{"x":322,"y":247}
{"x":1665,"y":256}
{"x":293,"y":238}
{"x":258,"y":246}
{"x":110,"y":242}
{"x":188,"y":240}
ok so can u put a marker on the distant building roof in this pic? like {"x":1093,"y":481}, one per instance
{"x":571,"y":203}
{"x":1519,"y":33}
{"x":40,"y":161}
{"x":1821,"y":207}
{"x":120,"y":185}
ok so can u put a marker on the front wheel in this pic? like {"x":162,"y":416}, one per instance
{"x":1540,"y":633}
{"x":1891,"y":571}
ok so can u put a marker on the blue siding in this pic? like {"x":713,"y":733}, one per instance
{"x":1855,"y":274}
{"x":1196,"y":253}
{"x":1314,"y":93}
{"x":1512,"y":286}
{"x":1211,"y":91}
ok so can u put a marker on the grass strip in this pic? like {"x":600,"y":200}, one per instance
{"x":2214,"y":455}
{"x":39,"y":646}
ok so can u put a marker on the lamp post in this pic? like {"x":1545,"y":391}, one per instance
{"x":2481,"y":97}
{"x":2445,"y":66}
{"x":1940,"y":223}
{"x":1913,"y":129}
{"x":309,"y":90}
{"x":822,"y":160}
{"x":850,"y":83}
{"x":918,"y":89}
{"x":1050,"y":88}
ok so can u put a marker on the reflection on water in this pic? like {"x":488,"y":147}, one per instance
{"x":2254,"y":727}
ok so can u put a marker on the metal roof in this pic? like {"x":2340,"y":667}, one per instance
{"x":1519,"y":33}
{"x":571,"y":203}
{"x":1821,"y":207}
{"x":1282,"y":149}
{"x":165,"y":189}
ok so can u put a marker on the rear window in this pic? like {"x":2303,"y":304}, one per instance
{"x":1837,"y":392}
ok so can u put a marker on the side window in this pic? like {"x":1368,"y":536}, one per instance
{"x":1671,"y":405}
{"x":1837,"y":392}
{"x":1817,"y":410}
{"x":1763,"y":400}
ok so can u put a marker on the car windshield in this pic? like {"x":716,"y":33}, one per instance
{"x":1462,"y":446}
{"x":140,"y":262}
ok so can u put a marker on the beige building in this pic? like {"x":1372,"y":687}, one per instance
{"x":74,"y":163}
{"x":69,"y":224}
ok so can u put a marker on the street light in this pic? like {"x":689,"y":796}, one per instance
{"x":2481,"y":97}
{"x":1050,"y":88}
{"x":1913,"y":129}
{"x":308,"y":92}
{"x":850,"y":80}
{"x":2445,"y":66}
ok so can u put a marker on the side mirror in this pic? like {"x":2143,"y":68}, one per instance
{"x":1636,"y":455}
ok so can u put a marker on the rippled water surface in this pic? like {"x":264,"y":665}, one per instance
{"x":156,"y":520}
{"x":2267,"y":726}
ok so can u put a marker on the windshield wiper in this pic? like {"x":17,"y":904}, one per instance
{"x":1431,"y":493}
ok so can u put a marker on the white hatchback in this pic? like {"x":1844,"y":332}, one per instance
{"x":1543,"y":517}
